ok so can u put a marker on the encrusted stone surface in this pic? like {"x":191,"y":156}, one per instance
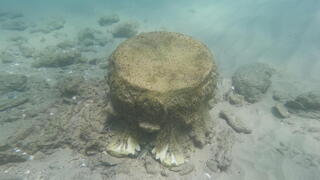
{"x":252,"y":81}
{"x":161,"y":80}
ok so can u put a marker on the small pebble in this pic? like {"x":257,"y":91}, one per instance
{"x":17,"y":150}
{"x":83,"y":165}
{"x":208,"y":175}
{"x":31,"y":157}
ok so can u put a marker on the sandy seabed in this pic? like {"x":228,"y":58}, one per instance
{"x":277,"y":149}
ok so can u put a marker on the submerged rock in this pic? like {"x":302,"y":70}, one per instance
{"x":281,"y":111}
{"x":56,"y":57}
{"x":12,"y":82}
{"x":152,"y":167}
{"x":160,"y":82}
{"x":18,"y":40}
{"x":91,"y":37}
{"x":50,"y":26}
{"x":125,"y":30}
{"x":16,"y":25}
{"x":281,"y":96}
{"x":108,"y":20}
{"x":234,"y":122}
{"x":306,"y":104}
{"x":10,"y":15}
{"x":7,"y":57}
{"x":183,"y":169}
{"x":55,"y":24}
{"x":11,"y":103}
{"x":26,"y":51}
{"x":10,"y":155}
{"x":67,"y":44}
{"x":309,"y":101}
{"x":252,"y":81}
{"x":221,"y":150}
{"x":171,"y":96}
{"x":70,"y":86}
{"x":235,"y":99}
{"x":104,"y":159}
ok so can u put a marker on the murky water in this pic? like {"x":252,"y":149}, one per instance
{"x":55,"y":98}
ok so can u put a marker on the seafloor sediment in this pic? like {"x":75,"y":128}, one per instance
{"x":54,"y":110}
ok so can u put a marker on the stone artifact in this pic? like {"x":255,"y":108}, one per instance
{"x":160,"y":84}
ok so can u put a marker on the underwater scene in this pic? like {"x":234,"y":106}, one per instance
{"x":177,"y":90}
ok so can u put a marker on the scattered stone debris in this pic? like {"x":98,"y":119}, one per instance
{"x":11,"y":155}
{"x":164,"y":173}
{"x":252,"y":81}
{"x":125,"y":30}
{"x":221,"y":150}
{"x":235,"y":99}
{"x":152,"y":167}
{"x":15,"y":25}
{"x":55,"y":24}
{"x":79,"y":126}
{"x":50,"y":26}
{"x":67,"y":44}
{"x":234,"y":122}
{"x":26,"y":51}
{"x":183,"y":169}
{"x":95,"y":61}
{"x":56,"y":57}
{"x":212,"y":165}
{"x":103,"y":65}
{"x":306,"y":101}
{"x":6,"y":104}
{"x":18,"y":40}
{"x":90,"y":37}
{"x":7,"y":57}
{"x":103,"y":160}
{"x":70,"y":86}
{"x":281,"y":111}
{"x":12,"y":82}
{"x":108,"y":20}
{"x":281,"y":96}
{"x":10,"y":15}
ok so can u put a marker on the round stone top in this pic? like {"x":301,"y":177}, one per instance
{"x":162,"y":61}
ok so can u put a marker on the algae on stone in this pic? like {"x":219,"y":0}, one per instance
{"x":161,"y":82}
